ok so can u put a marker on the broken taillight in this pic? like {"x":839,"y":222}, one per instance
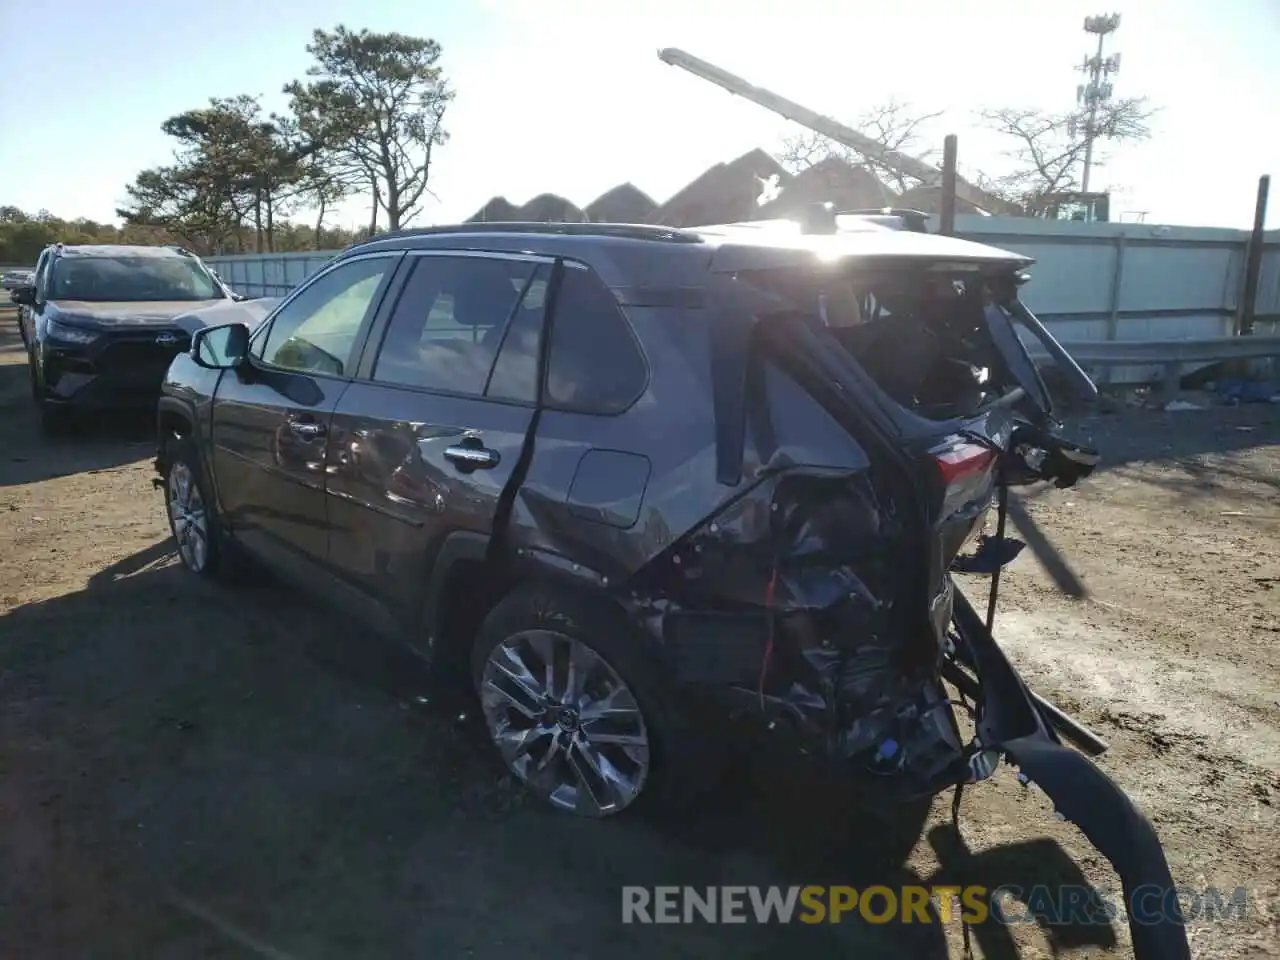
{"x":962,"y":460}
{"x":965,"y":468}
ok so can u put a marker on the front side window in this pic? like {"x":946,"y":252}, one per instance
{"x":131,"y":279}
{"x":449,"y":322}
{"x":316,"y":331}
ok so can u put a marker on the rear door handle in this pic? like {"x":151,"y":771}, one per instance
{"x":472,"y":454}
{"x":306,"y":429}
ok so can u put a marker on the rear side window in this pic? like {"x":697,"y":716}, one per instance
{"x":449,"y":323}
{"x":595,"y":364}
{"x":515,"y":372}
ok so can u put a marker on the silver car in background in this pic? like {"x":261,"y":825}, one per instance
{"x":17,"y":278}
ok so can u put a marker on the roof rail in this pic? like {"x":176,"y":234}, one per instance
{"x":623,"y":231}
{"x":902,"y":218}
{"x":823,"y":217}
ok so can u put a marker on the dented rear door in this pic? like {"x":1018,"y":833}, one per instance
{"x":426,"y":440}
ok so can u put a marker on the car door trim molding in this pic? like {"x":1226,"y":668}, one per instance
{"x":506,"y":499}
{"x":272,"y":469}
{"x":377,"y":508}
{"x":483,"y":255}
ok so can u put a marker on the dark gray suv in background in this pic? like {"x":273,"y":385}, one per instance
{"x":621,"y":474}
{"x":100,"y":324}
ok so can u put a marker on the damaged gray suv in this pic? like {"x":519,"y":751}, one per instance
{"x":621,"y":475}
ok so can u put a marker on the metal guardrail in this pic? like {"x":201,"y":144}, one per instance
{"x":1170,"y":354}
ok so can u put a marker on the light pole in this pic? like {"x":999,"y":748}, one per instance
{"x":1098,"y":88}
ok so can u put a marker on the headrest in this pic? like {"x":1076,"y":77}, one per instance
{"x":480,"y":304}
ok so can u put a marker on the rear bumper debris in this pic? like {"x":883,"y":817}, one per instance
{"x":1012,"y":719}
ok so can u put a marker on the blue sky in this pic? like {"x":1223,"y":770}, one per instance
{"x":568,"y":96}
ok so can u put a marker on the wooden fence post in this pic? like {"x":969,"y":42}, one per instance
{"x":1253,"y":261}
{"x":947,"y":215}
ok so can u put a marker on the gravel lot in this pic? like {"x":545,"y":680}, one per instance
{"x":199,"y":771}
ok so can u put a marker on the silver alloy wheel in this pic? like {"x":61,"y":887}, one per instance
{"x":187,"y":514}
{"x":565,"y":722}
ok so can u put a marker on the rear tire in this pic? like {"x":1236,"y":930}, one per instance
{"x":193,"y":517}
{"x":613,"y":711}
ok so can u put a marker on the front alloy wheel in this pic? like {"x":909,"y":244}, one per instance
{"x":565,"y":722}
{"x":188,"y":517}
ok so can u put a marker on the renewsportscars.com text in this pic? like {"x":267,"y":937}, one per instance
{"x":1068,"y":904}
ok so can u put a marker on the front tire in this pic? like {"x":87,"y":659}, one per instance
{"x":193,"y":519}
{"x":577,"y":710}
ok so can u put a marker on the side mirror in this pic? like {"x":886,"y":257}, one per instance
{"x":24,"y":296}
{"x":223,"y":347}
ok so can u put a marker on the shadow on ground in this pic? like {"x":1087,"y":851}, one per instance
{"x":1193,"y":455}
{"x":90,"y":446}
{"x":1202,"y":442}
{"x":201,"y":770}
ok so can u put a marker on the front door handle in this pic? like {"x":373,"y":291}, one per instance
{"x":472,"y":454}
{"x":306,"y":429}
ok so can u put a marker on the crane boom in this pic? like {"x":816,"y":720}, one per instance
{"x":893,"y":159}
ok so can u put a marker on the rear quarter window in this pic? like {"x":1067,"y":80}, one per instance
{"x":595,"y":363}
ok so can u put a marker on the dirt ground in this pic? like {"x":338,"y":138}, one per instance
{"x":198,"y":771}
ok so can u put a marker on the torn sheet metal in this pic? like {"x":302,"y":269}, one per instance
{"x":786,"y":594}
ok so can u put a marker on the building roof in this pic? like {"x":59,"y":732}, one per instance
{"x":832,"y":179}
{"x":498,"y":208}
{"x":724,"y":193}
{"x":549,"y":207}
{"x":625,"y":203}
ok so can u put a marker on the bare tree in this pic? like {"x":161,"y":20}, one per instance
{"x":895,"y":125}
{"x":1048,"y":148}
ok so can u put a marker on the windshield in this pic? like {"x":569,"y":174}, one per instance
{"x":130,"y":279}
